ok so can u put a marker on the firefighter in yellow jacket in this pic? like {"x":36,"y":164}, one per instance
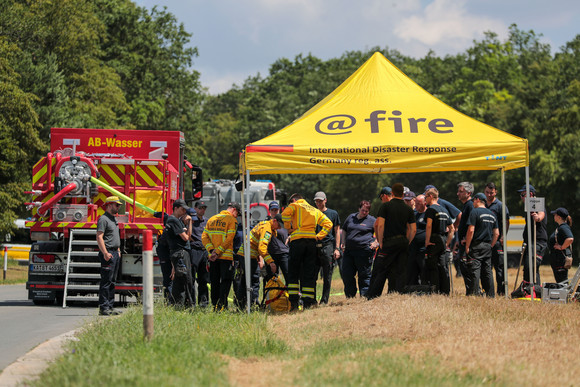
{"x":218,"y":240}
{"x":301,"y":219}
{"x":260,"y":238}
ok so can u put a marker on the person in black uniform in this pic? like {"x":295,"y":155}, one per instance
{"x":496,"y":206}
{"x":328,"y":249}
{"x":359,"y":245}
{"x":178,"y":230}
{"x":199,"y":254}
{"x":395,"y":230}
{"x":438,"y":234}
{"x":539,"y":218}
{"x":162,"y":249}
{"x":416,"y":260}
{"x":561,"y":244}
{"x":278,"y":248}
{"x":482,"y":234}
{"x":464,"y":192}
{"x":109,"y":242}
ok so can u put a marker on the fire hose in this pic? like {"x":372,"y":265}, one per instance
{"x":122,"y":196}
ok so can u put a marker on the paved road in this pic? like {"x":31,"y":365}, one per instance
{"x":23,"y":325}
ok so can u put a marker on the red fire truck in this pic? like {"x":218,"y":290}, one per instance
{"x":147,"y":169}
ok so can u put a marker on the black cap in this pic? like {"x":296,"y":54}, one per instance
{"x":480,"y":196}
{"x":278,"y":218}
{"x":523,"y":189}
{"x":180,"y":203}
{"x":235,"y":205}
{"x":200,"y":204}
{"x":561,"y":212}
{"x":386,"y":191}
{"x":409,"y":195}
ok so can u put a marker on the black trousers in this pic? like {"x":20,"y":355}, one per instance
{"x":470,"y":286}
{"x":357,"y":261}
{"x":221,"y":274}
{"x":557,"y":260}
{"x":479,"y":261}
{"x":182,"y":286}
{"x":325,"y":262}
{"x":302,"y":272}
{"x":200,"y":274}
{"x":390,"y":264}
{"x":497,"y":263}
{"x":109,"y":270}
{"x":241,"y":291}
{"x":540,"y":249}
{"x":436,"y":265}
{"x":415,"y":264}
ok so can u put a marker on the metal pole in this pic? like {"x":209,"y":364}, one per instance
{"x":147,"y":285}
{"x":528,"y":222}
{"x":5,"y":262}
{"x":504,"y":234}
{"x":247,"y":262}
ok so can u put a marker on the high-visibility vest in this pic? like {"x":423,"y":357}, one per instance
{"x":219,"y":234}
{"x":260,"y":237}
{"x":302,"y":218}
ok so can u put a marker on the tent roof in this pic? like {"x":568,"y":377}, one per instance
{"x":380,"y":121}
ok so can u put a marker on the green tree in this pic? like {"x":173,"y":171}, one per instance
{"x":18,"y":138}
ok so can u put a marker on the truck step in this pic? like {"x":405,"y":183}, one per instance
{"x":84,"y":275}
{"x":72,"y":286}
{"x":84,"y":231}
{"x":80,"y":242}
{"x":84,"y":253}
{"x":85,"y":264}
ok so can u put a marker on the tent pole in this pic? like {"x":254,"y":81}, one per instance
{"x":247,"y":263}
{"x":504,"y":234}
{"x":528,"y":222}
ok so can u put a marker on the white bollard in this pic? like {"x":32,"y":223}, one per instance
{"x":147,"y":285}
{"x":5,"y":261}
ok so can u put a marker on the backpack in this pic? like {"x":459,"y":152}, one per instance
{"x":276,"y":296}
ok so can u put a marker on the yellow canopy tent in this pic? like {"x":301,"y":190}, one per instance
{"x":380,"y":121}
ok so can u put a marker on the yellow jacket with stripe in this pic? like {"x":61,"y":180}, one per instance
{"x":219,"y":233}
{"x":260,"y":237}
{"x":302,"y":218}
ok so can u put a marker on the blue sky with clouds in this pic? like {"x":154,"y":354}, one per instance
{"x":240,"y":38}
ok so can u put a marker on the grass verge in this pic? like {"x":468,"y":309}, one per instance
{"x":15,"y":273}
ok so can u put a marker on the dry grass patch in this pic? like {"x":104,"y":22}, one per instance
{"x":429,"y":340}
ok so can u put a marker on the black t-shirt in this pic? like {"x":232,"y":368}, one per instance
{"x":450,"y":208}
{"x":541,"y":230}
{"x":197,"y":227}
{"x":358,"y":233}
{"x":496,"y":208}
{"x":561,"y":233}
{"x":421,"y":221}
{"x":484,"y":221}
{"x":440,"y":217}
{"x":335,"y":219}
{"x":397,"y":215}
{"x":173,"y":228}
{"x":465,"y":212}
{"x":278,"y":245}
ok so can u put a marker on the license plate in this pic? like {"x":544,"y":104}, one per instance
{"x":48,"y":268}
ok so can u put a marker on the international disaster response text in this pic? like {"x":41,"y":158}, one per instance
{"x":380,"y":151}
